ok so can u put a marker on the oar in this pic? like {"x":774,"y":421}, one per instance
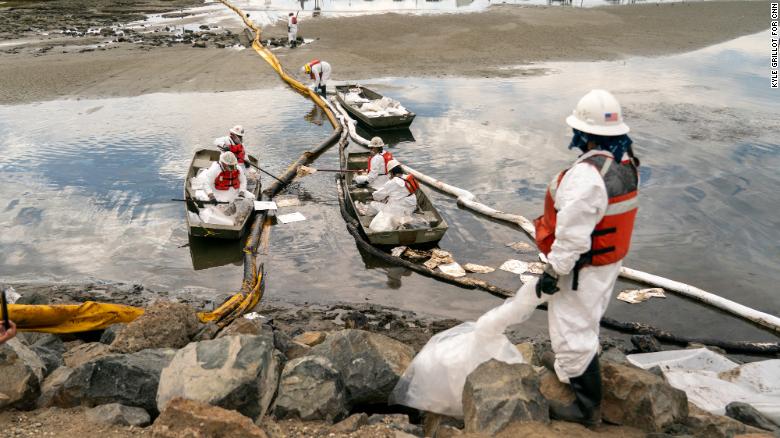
{"x":200,"y":202}
{"x":264,"y":171}
{"x":306,"y":170}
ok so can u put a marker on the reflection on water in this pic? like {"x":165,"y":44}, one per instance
{"x":211,"y":253}
{"x":86,"y":184}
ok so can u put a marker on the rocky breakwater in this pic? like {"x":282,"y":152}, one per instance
{"x":278,"y":376}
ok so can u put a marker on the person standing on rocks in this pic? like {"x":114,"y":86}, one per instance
{"x":292,"y":30}
{"x":319,"y":72}
{"x":585,"y":232}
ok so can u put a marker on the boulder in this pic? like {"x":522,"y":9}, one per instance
{"x":645,"y":343}
{"x":183,"y":418}
{"x":243,"y":326}
{"x":399,"y":422}
{"x":311,"y":389}
{"x":206,"y":332}
{"x":635,"y":397}
{"x":614,"y":355}
{"x":705,"y":424}
{"x":497,"y":393}
{"x":51,"y":387}
{"x":296,"y":349}
{"x":552,"y":388}
{"x":21,"y":375}
{"x":350,"y":424}
{"x":235,"y":372}
{"x":129,"y":379}
{"x":747,"y":414}
{"x":120,"y":415}
{"x":164,"y":324}
{"x":369,"y":363}
{"x":84,"y":353}
{"x":527,"y":350}
{"x":310,"y":338}
{"x":50,"y":350}
{"x":111,"y":332}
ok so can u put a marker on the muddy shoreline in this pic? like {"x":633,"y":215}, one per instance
{"x":495,"y":43}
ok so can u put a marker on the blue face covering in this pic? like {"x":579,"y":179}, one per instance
{"x":617,"y":145}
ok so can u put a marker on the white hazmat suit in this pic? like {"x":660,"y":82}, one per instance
{"x":320,"y":73}
{"x":292,"y":29}
{"x":573,"y":316}
{"x":377,"y":177}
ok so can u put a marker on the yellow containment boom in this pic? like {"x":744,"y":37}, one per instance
{"x":70,"y":318}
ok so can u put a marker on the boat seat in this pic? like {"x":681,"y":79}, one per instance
{"x":202,"y":163}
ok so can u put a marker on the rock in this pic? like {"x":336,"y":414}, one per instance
{"x":558,"y":429}
{"x":645,"y":343}
{"x":705,"y":424}
{"x":355,"y":320}
{"x":85,"y":353}
{"x":310,"y":338}
{"x":192,"y":419}
{"x":129,"y":379}
{"x":111,"y":332}
{"x":350,"y":424}
{"x":296,"y":350}
{"x":282,"y":341}
{"x":235,"y":372}
{"x":447,"y":432}
{"x":369,"y":363}
{"x":199,"y":44}
{"x":747,"y":414}
{"x":33,"y":298}
{"x":52,"y":386}
{"x":243,"y":326}
{"x":635,"y":397}
{"x":164,"y":324}
{"x":21,"y":375}
{"x":206,"y":332}
{"x":497,"y":393}
{"x":552,"y":388}
{"x":116,"y":414}
{"x":49,"y":349}
{"x":614,"y":355}
{"x":311,"y":389}
{"x":527,"y":350}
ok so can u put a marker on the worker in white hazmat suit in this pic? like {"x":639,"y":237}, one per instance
{"x":585,"y":232}
{"x":376,"y":175}
{"x":395,"y":199}
{"x":223,"y":182}
{"x":292,"y":29}
{"x":319,"y":72}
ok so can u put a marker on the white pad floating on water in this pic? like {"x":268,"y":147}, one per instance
{"x":291,"y":217}
{"x":514,"y":266}
{"x":479,"y":269}
{"x":453,"y":269}
{"x":287,"y":202}
{"x":634,"y":296}
{"x":265,"y":205}
{"x":397,"y":251}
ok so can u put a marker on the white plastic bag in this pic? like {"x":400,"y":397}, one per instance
{"x":434,"y":380}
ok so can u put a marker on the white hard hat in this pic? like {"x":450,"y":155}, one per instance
{"x":392,"y":164}
{"x":376,"y":142}
{"x":228,"y":159}
{"x":237,"y":130}
{"x":598,"y":112}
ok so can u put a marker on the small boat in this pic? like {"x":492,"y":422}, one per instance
{"x":376,"y":123}
{"x":433,"y":233}
{"x":202,"y":160}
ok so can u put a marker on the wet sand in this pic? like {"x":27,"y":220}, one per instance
{"x":486,"y":44}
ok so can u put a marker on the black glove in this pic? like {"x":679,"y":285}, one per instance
{"x":548,"y":283}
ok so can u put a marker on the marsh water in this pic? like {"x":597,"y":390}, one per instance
{"x":86,"y":184}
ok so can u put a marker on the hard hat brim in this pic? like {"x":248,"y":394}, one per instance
{"x":610,"y":131}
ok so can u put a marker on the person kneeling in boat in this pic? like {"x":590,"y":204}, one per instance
{"x":224,"y":183}
{"x":377,"y":165}
{"x":395,"y":200}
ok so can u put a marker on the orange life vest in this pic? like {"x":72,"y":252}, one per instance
{"x":227,"y":179}
{"x":387,"y":157}
{"x":611,"y":238}
{"x":411,"y":184}
{"x":312,"y":63}
{"x":238,"y":151}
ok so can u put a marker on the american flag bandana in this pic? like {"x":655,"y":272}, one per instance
{"x":610,"y":117}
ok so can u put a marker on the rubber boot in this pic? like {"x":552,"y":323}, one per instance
{"x":586,"y":409}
